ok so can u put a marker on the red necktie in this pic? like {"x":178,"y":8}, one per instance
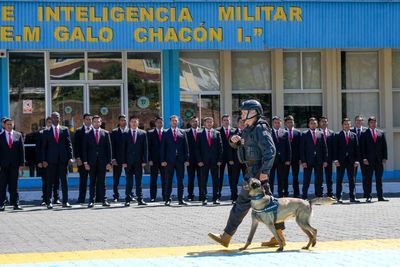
{"x":97,"y":137}
{"x":175,"y":135}
{"x":314,"y":137}
{"x":374,"y":135}
{"x":56,"y":135}
{"x":276,"y":136}
{"x":290,"y":135}
{"x":159,"y":135}
{"x":347,"y":138}
{"x":209,"y":138}
{"x":194,"y":134}
{"x":325,"y":135}
{"x":10,"y":142}
{"x":134,"y":137}
{"x":226,"y":133}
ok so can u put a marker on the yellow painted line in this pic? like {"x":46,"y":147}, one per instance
{"x":378,"y":244}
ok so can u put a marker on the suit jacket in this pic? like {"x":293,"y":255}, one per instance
{"x":53,"y":152}
{"x":343,"y":151}
{"x":209,"y":154}
{"x":135,"y":152}
{"x":295,"y":144}
{"x":101,"y":151}
{"x":38,"y":148}
{"x":232,"y":152}
{"x":14,"y":156}
{"x":78,"y":141}
{"x":282,"y":145}
{"x":373,"y":152}
{"x":354,"y":130}
{"x":172,"y":151}
{"x":117,"y":143}
{"x":310,"y":153}
{"x":192,"y":145}
{"x":154,"y":145}
{"x":225,"y":142}
{"x":330,"y":139}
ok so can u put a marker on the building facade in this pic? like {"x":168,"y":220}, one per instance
{"x":158,"y":58}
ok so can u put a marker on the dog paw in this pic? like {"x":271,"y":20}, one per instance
{"x":305,"y":247}
{"x":242,"y":249}
{"x":279,"y":249}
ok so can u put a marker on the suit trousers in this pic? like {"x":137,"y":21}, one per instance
{"x":282,"y":171}
{"x":328,"y":179}
{"x":171,"y":168}
{"x":318,"y":174}
{"x":9,"y":176}
{"x":350,"y":169}
{"x":137,"y":170}
{"x":154,"y":170}
{"x":222,"y":176}
{"x":117,"y":170}
{"x":97,"y":173}
{"x":236,"y":168}
{"x":240,"y":210}
{"x":56,"y":173}
{"x":83,"y":181}
{"x":295,"y":175}
{"x":193,"y":170}
{"x":377,"y":168}
{"x":205,"y":170}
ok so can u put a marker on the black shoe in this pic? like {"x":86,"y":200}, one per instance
{"x":2,"y":208}
{"x":17,"y":207}
{"x":115,"y":200}
{"x":43,"y":203}
{"x":382,"y":199}
{"x":204,"y":202}
{"x":90,"y":205}
{"x":167,"y":203}
{"x":216,"y":202}
{"x":339,"y":201}
{"x":233,"y":202}
{"x":106,"y":204}
{"x":369,"y":200}
{"x":66,"y":205}
{"x":49,"y":206}
{"x":127,"y":204}
{"x":183,"y":203}
{"x":153,"y":200}
{"x":353,"y":200}
{"x":141,"y":203}
{"x":56,"y":202}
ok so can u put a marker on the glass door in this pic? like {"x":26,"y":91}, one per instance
{"x":68,"y":100}
{"x":106,"y":101}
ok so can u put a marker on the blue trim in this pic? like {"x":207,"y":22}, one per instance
{"x":170,"y":78}
{"x":3,"y":87}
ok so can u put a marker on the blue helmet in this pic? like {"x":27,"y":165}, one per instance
{"x":252,"y":105}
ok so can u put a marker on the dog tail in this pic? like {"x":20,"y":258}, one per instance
{"x":322,"y":201}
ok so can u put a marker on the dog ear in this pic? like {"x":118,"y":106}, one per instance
{"x":245,"y":186}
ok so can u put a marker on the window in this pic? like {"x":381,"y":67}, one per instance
{"x":67,"y":66}
{"x":396,"y":87}
{"x":104,"y":66}
{"x":27,"y":99}
{"x":360,"y":90}
{"x":199,"y":86}
{"x":302,"y":85}
{"x":144,"y":86}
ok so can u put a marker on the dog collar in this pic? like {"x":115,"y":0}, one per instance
{"x":257,"y":197}
{"x":272,"y":206}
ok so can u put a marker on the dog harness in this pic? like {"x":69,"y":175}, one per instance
{"x":272,"y":205}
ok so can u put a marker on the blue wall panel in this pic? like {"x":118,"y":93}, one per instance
{"x":3,"y":87}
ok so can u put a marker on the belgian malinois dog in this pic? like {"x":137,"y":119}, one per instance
{"x":284,"y":208}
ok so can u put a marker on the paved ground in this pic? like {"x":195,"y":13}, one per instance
{"x":37,"y":230}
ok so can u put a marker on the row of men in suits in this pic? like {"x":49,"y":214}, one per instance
{"x":317,"y":149}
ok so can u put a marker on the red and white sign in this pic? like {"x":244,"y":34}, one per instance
{"x":27,"y":107}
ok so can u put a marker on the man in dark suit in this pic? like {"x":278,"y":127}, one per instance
{"x":56,"y":154}
{"x":117,"y":153}
{"x":313,"y":156}
{"x":193,"y":169}
{"x":78,"y":147}
{"x":154,"y":138}
{"x":282,"y":158}
{"x":209,"y":153}
{"x":294,"y":138}
{"x":41,"y":170}
{"x":358,"y":129}
{"x":346,"y":158}
{"x":329,"y":137}
{"x":174,"y":157}
{"x":134,"y":159}
{"x":374,"y":155}
{"x":96,"y":157}
{"x":11,"y":161}
{"x":237,"y":165}
{"x":226,"y":132}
